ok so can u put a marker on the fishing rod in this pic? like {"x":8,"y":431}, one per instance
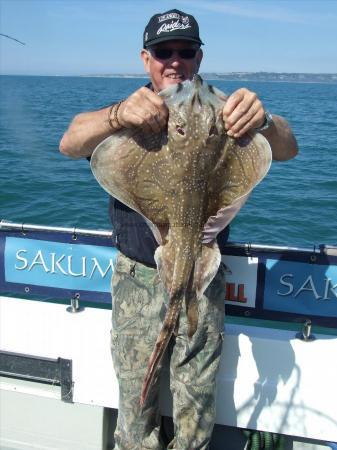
{"x":10,"y":37}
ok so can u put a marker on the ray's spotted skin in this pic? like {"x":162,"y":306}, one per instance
{"x":179,"y":180}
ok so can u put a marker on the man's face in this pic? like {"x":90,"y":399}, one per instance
{"x":166,"y":68}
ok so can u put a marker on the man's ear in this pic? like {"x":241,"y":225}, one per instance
{"x":144,"y":54}
{"x":199,"y":58}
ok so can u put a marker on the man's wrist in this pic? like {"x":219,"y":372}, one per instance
{"x":113,"y":119}
{"x":268,"y":121}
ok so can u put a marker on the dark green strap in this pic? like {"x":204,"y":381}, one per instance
{"x":263,"y":440}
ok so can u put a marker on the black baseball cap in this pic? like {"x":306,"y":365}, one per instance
{"x":170,"y":25}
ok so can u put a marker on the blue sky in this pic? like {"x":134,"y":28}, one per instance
{"x":72,"y":37}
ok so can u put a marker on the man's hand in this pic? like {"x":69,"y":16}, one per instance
{"x":143,"y":109}
{"x":242,"y":112}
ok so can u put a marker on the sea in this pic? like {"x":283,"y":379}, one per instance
{"x":295,"y":205}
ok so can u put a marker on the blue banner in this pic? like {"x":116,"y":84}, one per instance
{"x":292,"y":285}
{"x":289,"y":285}
{"x":298,"y":287}
{"x":57,"y":266}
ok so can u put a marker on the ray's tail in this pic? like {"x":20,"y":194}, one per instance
{"x":161,"y":344}
{"x":178,"y":277}
{"x":185,"y":277}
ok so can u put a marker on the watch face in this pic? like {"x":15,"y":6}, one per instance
{"x":267,"y":122}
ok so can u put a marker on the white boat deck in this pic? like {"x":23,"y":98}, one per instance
{"x":269,"y":379}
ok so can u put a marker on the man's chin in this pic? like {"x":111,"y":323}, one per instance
{"x":169,"y":81}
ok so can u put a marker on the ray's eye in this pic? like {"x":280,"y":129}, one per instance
{"x":180,"y":130}
{"x":213,"y":131}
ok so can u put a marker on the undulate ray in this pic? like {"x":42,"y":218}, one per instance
{"x":183,"y":180}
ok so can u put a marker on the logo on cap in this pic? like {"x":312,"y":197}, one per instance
{"x":168,"y":16}
{"x":182,"y":23}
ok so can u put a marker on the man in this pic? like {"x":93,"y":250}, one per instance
{"x":171,"y":54}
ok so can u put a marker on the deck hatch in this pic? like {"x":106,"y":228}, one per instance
{"x":57,"y":372}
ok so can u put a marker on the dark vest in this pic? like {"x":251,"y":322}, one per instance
{"x":133,"y":237}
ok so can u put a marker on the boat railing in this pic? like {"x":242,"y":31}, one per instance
{"x":75,"y":231}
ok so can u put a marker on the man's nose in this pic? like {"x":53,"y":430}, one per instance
{"x":175,"y":59}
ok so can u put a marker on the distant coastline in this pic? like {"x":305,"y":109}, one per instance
{"x":281,"y":77}
{"x":247,"y":76}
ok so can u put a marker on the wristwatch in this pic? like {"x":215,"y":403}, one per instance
{"x":268,"y":121}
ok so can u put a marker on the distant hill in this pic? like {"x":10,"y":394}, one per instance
{"x":249,"y":76}
{"x":274,"y":76}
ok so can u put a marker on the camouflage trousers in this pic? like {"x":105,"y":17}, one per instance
{"x":138,"y":309}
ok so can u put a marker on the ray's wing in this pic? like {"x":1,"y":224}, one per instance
{"x":242,"y":164}
{"x":123,"y":165}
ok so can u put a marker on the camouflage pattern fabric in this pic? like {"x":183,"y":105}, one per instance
{"x":138,"y":309}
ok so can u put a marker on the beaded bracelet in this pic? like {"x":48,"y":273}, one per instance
{"x":114,"y":108}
